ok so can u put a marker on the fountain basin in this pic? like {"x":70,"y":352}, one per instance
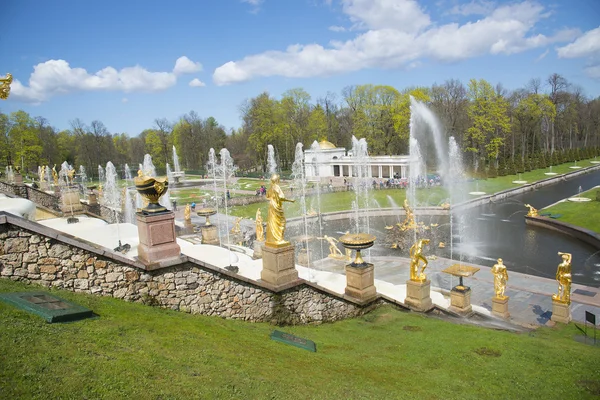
{"x":477,"y":193}
{"x":579,"y":199}
{"x":595,"y":162}
{"x":575,"y":167}
{"x":519,"y":182}
{"x":550,"y":173}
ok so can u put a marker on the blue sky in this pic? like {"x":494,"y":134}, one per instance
{"x":126,"y":63}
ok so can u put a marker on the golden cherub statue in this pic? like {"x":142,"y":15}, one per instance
{"x":187,"y":213}
{"x":500,"y":279}
{"x":236,"y":227}
{"x":532,"y":211}
{"x":416,"y":254}
{"x":334,"y":251}
{"x":5,"y":86}
{"x":275,"y":217}
{"x":140,"y":173}
{"x":563,"y":276}
{"x":55,"y":175}
{"x":260,"y":230}
{"x":409,"y":222}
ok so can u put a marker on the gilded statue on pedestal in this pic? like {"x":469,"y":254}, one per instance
{"x":275,"y":217}
{"x":5,"y":86}
{"x":500,"y":279}
{"x":71,"y":175}
{"x":236,"y":227}
{"x":409,"y":222}
{"x":42,"y":173}
{"x":187,"y":213}
{"x":533,"y":212}
{"x":260,"y":231}
{"x":416,"y":255}
{"x":563,"y":276}
{"x":55,"y":175}
{"x":334,"y":251}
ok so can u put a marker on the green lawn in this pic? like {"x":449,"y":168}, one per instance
{"x":586,"y":215}
{"x":132,"y":351}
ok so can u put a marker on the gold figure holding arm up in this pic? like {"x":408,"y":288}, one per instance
{"x":55,"y":175}
{"x":563,"y":276}
{"x":416,"y":255}
{"x":500,"y":279}
{"x":260,"y":230}
{"x":5,"y":86}
{"x":236,"y":227}
{"x":187,"y":213}
{"x":275,"y":217}
{"x":533,"y":212}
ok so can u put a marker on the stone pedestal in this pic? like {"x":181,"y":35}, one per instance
{"x":418,"y":295}
{"x":188,"y":228}
{"x":209,"y":234}
{"x":561,"y":312}
{"x":44,"y":186}
{"x":279,"y":266}
{"x":18,"y":180}
{"x":460,"y":300}
{"x":360,"y":282}
{"x":92,"y":199}
{"x":70,"y":201}
{"x":500,"y":307}
{"x":303,"y":257}
{"x":157,"y":237}
{"x":258,"y":246}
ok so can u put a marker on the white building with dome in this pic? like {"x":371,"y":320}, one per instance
{"x":335,"y":163}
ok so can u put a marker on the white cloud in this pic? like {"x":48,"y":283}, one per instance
{"x":255,"y":5}
{"x":542,"y":56}
{"x":403,"y":15}
{"x":184,"y":65}
{"x":475,"y":7}
{"x":196,"y":83}
{"x":55,"y":77}
{"x":335,"y":28}
{"x":399,"y":33}
{"x":585,"y":46}
{"x":124,"y":100}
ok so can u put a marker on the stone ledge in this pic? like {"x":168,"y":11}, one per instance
{"x":585,"y":235}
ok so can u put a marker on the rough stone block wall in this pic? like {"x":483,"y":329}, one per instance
{"x":35,"y":258}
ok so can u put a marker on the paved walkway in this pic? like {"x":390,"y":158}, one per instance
{"x":530,"y":301}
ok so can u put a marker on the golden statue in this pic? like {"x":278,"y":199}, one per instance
{"x":563,"y":276}
{"x":71,"y":175}
{"x":500,"y":279}
{"x":140,"y":173}
{"x":409,"y":222}
{"x":334,"y":251}
{"x":55,"y":175}
{"x":5,"y":86}
{"x":236,"y":227}
{"x":187,"y":213}
{"x":260,"y":230}
{"x":532,"y":211}
{"x":416,"y":254}
{"x":42,"y":173}
{"x":275,"y":217}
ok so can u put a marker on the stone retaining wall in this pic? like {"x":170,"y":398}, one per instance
{"x":585,"y":235}
{"x":33,"y":253}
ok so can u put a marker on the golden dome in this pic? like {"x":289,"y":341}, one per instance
{"x":324,"y":144}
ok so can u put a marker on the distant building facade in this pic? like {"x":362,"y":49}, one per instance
{"x":331,"y":162}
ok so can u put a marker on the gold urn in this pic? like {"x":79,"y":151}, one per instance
{"x":358,"y":242}
{"x":151,"y":189}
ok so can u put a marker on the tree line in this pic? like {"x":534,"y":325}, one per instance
{"x":498,"y":130}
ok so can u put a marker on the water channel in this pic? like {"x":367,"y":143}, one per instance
{"x":498,"y":230}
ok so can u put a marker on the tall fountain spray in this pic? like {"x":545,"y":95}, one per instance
{"x":212,"y":170}
{"x":169,"y":173}
{"x":112,"y":194}
{"x":175,"y":161}
{"x":271,"y":163}
{"x":101,"y":177}
{"x":130,"y":199}
{"x":299,"y":183}
{"x":83,"y":181}
{"x":227,"y":170}
{"x":420,"y":113}
{"x":362,"y":176}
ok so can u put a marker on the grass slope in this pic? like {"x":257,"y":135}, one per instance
{"x":140,"y":352}
{"x":586,"y":215}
